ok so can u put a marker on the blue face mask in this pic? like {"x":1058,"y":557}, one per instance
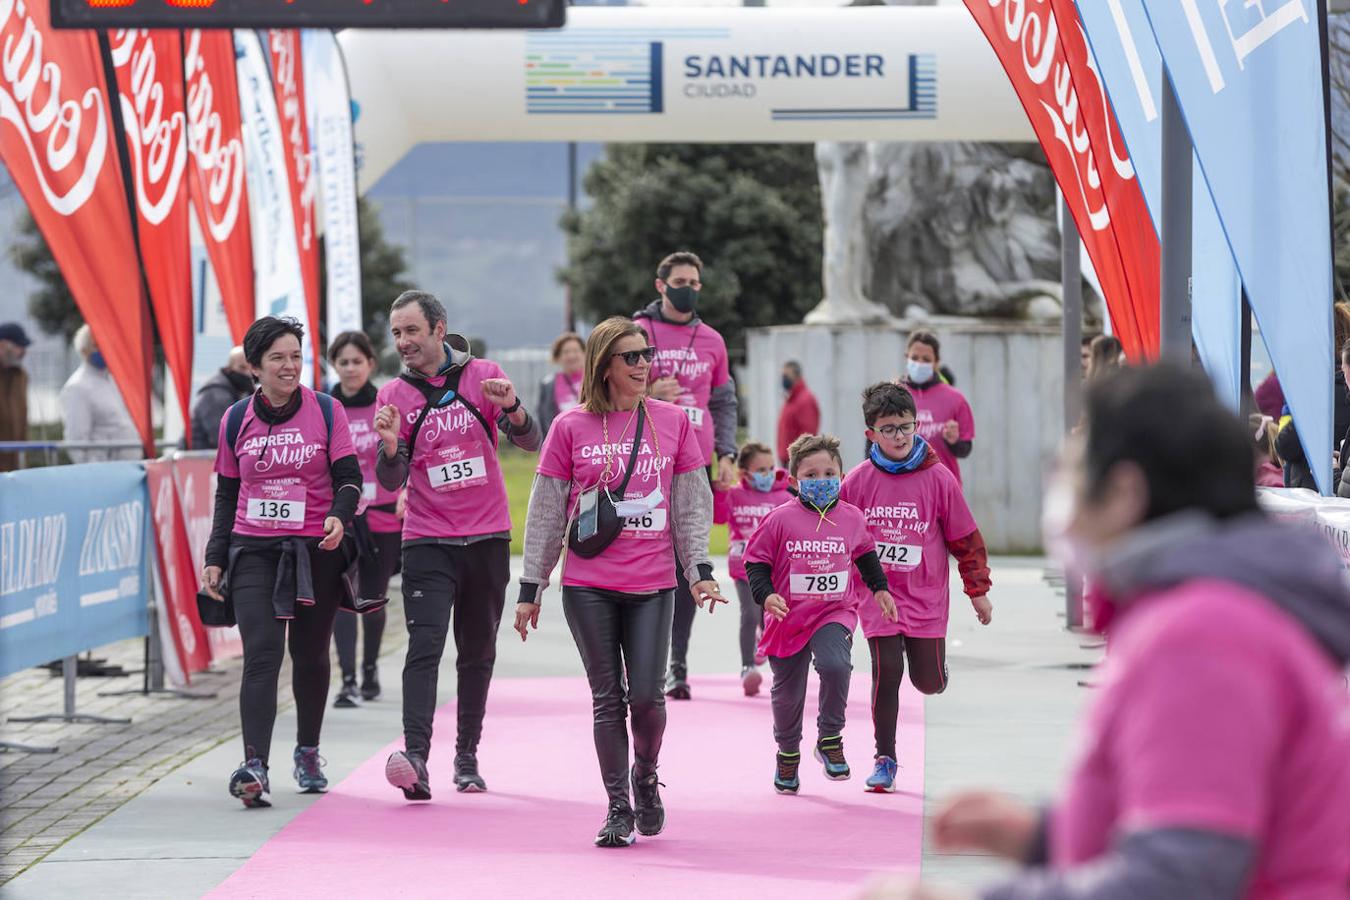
{"x":919,"y":372}
{"x":819,"y":492}
{"x":762,"y":481}
{"x":97,"y":361}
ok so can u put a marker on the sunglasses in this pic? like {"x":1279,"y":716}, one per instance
{"x":631,"y":357}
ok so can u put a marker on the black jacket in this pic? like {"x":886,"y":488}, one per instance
{"x":213,"y":400}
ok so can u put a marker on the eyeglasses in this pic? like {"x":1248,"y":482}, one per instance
{"x":631,"y":357}
{"x":891,"y":432}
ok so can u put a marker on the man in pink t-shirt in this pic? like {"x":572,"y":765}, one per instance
{"x":1212,"y":759}
{"x":438,"y":424}
{"x":690,"y":370}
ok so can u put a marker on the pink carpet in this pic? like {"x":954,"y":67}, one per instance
{"x":727,"y":833}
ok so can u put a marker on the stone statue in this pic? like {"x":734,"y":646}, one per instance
{"x":845,"y":271}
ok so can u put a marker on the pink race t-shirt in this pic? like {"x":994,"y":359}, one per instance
{"x":696,"y":356}
{"x":937,"y":406}
{"x":1216,"y":711}
{"x":361,"y":420}
{"x":566,"y":391}
{"x":284,"y":471}
{"x":642,"y":559}
{"x":911,"y":517}
{"x":455,"y":486}
{"x":812,"y":560}
{"x":745,"y":509}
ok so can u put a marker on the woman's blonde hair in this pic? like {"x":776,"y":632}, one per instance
{"x":599,"y":352}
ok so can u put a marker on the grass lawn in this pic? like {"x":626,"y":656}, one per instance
{"x":518,"y":472}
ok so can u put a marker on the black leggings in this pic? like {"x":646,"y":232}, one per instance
{"x":376,"y":571}
{"x":683,"y":620}
{"x":266,"y":639}
{"x":470,"y":581}
{"x":617,"y":634}
{"x":927,"y":672}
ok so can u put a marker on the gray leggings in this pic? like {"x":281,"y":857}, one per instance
{"x":752,"y":622}
{"x":831,"y":648}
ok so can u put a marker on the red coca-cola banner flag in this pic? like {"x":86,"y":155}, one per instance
{"x":288,"y":82}
{"x":216,"y":170}
{"x":57,"y":140}
{"x":195,"y":478}
{"x":1063,"y":98}
{"x":181,"y":633}
{"x":149,"y":66}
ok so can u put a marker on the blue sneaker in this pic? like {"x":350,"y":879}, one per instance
{"x":830,"y":754}
{"x":785,"y":780}
{"x":883,"y":776}
{"x":249,"y":783}
{"x":309,"y":770}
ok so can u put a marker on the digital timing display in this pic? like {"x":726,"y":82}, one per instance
{"x":308,"y":13}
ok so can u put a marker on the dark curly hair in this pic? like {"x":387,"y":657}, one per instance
{"x":265,"y":332}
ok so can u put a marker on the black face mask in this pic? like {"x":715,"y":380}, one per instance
{"x":788,"y":382}
{"x":240,"y":381}
{"x":683,"y":299}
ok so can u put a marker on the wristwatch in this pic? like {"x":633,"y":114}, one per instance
{"x":514,"y":406}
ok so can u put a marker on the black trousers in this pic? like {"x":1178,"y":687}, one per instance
{"x":624,"y":640}
{"x":267,"y":638}
{"x":927,"y":672}
{"x":469,"y":583}
{"x":683,"y":625}
{"x":752,"y":622}
{"x":376,"y":571}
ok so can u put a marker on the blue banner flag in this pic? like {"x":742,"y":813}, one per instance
{"x":72,"y":561}
{"x":1130,"y":66}
{"x":1249,"y":80}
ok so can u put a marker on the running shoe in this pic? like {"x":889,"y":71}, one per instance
{"x":309,"y":770}
{"x":651,"y":815}
{"x":785,"y":779}
{"x":408,"y":773}
{"x":751,"y":679}
{"x":370,"y":682}
{"x":618,"y":828}
{"x":677,"y":682}
{"x":346,"y":698}
{"x":830,"y":754}
{"x":882,"y":780}
{"x":467,"y":779}
{"x":249,"y":783}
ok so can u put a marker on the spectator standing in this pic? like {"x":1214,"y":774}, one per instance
{"x":92,"y":408}
{"x":13,"y":390}
{"x":800,"y":414}
{"x":229,"y":385}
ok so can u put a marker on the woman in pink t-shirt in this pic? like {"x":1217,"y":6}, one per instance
{"x":800,"y":566}
{"x":762,"y":488}
{"x":377,"y":527}
{"x":1211,"y":762}
{"x":619,"y":602}
{"x":561,"y":391}
{"x":944,"y":417}
{"x":287,"y":483}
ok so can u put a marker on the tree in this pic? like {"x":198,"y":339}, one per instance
{"x":52,"y":306}
{"x":751,"y":211}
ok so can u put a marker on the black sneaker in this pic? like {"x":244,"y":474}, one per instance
{"x":408,"y":773}
{"x":677,"y":682}
{"x":830,"y":754}
{"x":785,"y":777}
{"x":618,"y":827}
{"x":467,"y":779}
{"x":651,"y":815}
{"x":249,"y":783}
{"x":370,"y":682}
{"x":346,"y":698}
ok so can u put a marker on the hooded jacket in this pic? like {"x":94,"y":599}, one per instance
{"x":722,"y":403}
{"x":213,"y":400}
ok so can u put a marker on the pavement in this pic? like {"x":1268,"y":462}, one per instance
{"x":141,"y":810}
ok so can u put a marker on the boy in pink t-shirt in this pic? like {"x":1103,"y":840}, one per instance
{"x":762,"y":488}
{"x":917,"y":515}
{"x":799,"y":566}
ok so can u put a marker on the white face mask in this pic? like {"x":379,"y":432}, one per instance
{"x":920,"y":372}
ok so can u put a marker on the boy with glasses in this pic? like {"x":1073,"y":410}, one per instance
{"x":917,"y":515}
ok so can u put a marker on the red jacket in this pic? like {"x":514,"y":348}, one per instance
{"x":800,"y":416}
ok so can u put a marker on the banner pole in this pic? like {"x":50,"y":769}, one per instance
{"x":1177,"y":172}
{"x":1071,"y":276}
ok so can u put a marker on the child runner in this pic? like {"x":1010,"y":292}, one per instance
{"x":798,"y":564}
{"x":917,"y":514}
{"x":762,"y":488}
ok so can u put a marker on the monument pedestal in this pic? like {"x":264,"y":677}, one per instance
{"x":1011,"y":372}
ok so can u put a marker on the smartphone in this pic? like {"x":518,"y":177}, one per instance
{"x":588,"y":518}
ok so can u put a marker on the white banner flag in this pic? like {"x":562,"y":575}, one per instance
{"x":329,"y":103}
{"x":276,"y":258}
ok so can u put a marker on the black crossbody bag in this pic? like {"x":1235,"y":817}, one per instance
{"x":597,"y":524}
